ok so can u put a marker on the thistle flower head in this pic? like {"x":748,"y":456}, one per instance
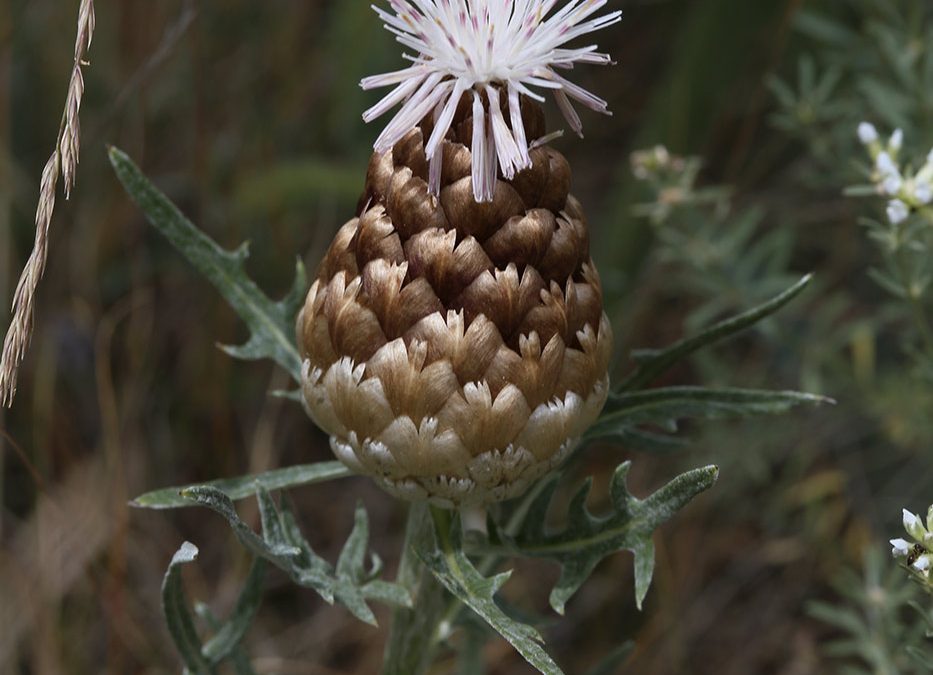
{"x":492,"y":51}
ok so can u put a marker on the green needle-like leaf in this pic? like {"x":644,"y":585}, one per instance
{"x":664,"y":407}
{"x":245,"y":486}
{"x":587,"y":539}
{"x":451,"y":566}
{"x":178,"y":615}
{"x":655,"y":363}
{"x":271,"y":324}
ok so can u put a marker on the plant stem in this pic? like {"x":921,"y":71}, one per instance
{"x":921,"y":320}
{"x":486,"y":564}
{"x":411,"y":649}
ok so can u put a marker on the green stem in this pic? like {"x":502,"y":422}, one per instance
{"x":411,"y":646}
{"x":922,"y":321}
{"x":418,"y":632}
{"x":486,"y":564}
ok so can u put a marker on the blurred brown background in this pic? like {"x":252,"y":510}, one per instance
{"x":248,"y":115}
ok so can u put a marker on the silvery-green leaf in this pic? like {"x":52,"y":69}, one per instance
{"x":313,"y":571}
{"x":178,"y":615}
{"x":284,"y":546}
{"x":351,"y":570}
{"x":665,"y":406}
{"x":587,"y":539}
{"x":451,"y":566}
{"x":653,"y":364}
{"x":271,"y":324}
{"x":283,"y":557}
{"x":245,"y":486}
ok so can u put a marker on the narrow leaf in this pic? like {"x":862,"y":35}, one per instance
{"x":388,"y":593}
{"x":238,"y":657}
{"x":654,"y":365}
{"x":178,"y":616}
{"x":282,"y":557}
{"x":270,"y":323}
{"x":664,"y":406}
{"x":451,"y":566}
{"x":352,"y":559}
{"x":245,"y":486}
{"x":351,"y":568}
{"x":228,"y":637}
{"x":283,"y":545}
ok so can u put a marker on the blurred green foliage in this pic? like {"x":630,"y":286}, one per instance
{"x":251,"y":123}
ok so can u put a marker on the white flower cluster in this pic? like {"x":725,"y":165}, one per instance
{"x":916,"y":554}
{"x":905,"y":190}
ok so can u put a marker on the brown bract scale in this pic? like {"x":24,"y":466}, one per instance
{"x":455,"y":350}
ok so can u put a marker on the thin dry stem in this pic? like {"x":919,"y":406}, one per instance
{"x":64,"y":163}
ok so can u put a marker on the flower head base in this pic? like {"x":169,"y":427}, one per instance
{"x":492,"y":51}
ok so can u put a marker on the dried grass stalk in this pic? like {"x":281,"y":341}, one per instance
{"x":64,"y":163}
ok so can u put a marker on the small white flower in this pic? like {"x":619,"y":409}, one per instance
{"x":912,"y":523}
{"x":867,"y":133}
{"x":925,"y":175}
{"x":923,"y":192}
{"x":922,"y":564}
{"x":898,"y":212}
{"x":886,"y":165}
{"x":490,"y":49}
{"x":892,"y":185}
{"x":661,"y":155}
{"x":901,"y":548}
{"x":897,"y":140}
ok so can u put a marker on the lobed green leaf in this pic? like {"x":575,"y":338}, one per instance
{"x":271,"y":324}
{"x":587,"y":539}
{"x":284,"y":546}
{"x":454,"y":570}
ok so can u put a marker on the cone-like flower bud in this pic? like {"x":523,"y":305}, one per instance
{"x":454,"y":342}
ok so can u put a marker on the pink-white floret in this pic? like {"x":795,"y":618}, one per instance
{"x":493,"y":49}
